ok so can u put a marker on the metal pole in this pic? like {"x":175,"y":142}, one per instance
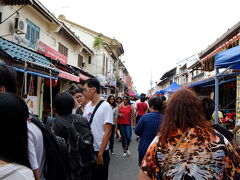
{"x":51,"y":93}
{"x":116,"y":77}
{"x":25,"y":79}
{"x":216,"y":95}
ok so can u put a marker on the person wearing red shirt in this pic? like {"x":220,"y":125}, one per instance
{"x":141,"y":108}
{"x":124,"y":124}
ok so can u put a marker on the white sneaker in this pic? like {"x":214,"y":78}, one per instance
{"x":124,"y":154}
{"x":128,"y":153}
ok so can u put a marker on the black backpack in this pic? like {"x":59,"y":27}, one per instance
{"x":57,"y":160}
{"x":80,"y":146}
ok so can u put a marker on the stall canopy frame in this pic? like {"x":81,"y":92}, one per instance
{"x":229,"y":59}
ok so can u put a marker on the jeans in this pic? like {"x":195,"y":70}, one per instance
{"x":126,"y":133}
{"x":100,"y":172}
{"x":112,"y":139}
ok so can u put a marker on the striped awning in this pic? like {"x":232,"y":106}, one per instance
{"x":21,"y":54}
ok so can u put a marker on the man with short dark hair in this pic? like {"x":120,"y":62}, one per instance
{"x":8,"y":78}
{"x":65,"y":127}
{"x":101,"y":127}
{"x":148,"y":126}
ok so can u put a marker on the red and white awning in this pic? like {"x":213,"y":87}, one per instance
{"x":83,"y":77}
{"x":68,"y":76}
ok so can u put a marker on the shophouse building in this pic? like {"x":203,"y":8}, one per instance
{"x":43,"y":50}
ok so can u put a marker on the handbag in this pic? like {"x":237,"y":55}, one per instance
{"x":165,"y":167}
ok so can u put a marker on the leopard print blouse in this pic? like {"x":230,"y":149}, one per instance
{"x":201,"y":155}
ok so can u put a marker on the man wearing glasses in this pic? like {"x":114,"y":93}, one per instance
{"x":101,"y":126}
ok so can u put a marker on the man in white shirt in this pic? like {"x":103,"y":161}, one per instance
{"x":101,"y":127}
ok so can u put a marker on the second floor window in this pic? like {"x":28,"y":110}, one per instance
{"x":62,"y":49}
{"x":89,"y":60}
{"x":80,"y":61}
{"x":33,"y":34}
{"x":209,"y":64}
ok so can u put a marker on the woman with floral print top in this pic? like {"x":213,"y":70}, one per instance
{"x":202,"y":153}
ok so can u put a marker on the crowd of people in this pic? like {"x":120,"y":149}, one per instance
{"x":177,"y":139}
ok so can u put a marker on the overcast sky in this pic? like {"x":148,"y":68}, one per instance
{"x":155,"y":34}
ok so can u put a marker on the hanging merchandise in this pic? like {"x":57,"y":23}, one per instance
{"x":54,"y":82}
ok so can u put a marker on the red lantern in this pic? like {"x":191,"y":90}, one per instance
{"x":54,"y":82}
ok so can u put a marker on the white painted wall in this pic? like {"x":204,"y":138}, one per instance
{"x":96,"y":66}
{"x":48,"y":37}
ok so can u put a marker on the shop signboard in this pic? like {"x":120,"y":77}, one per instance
{"x":101,"y":79}
{"x":238,"y":107}
{"x":20,"y":40}
{"x":50,"y":52}
{"x":111,"y":81}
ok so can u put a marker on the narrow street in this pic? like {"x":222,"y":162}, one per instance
{"x":124,"y":168}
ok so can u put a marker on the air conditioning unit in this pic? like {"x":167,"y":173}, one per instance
{"x":20,"y":26}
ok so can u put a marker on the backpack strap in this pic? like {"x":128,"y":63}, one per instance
{"x":94,"y":111}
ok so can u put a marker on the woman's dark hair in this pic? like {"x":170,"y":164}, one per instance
{"x":183,"y":111}
{"x":118,"y":99}
{"x":128,"y":100}
{"x":114,"y":102}
{"x":207,"y":106}
{"x":93,"y":82}
{"x":8,"y":78}
{"x":13,"y":130}
{"x":142,"y":98}
{"x":63,"y":103}
{"x":156,"y":103}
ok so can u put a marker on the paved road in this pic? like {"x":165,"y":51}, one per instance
{"x":124,"y":168}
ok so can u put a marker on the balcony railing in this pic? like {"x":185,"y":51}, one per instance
{"x":198,"y":76}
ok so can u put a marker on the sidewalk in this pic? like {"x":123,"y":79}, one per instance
{"x":124,"y":168}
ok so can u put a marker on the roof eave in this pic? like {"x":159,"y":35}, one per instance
{"x":219,"y":40}
{"x":17,"y":2}
{"x":172,"y":71}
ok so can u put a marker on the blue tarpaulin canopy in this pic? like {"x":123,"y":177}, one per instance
{"x":160,"y":91}
{"x":170,"y":89}
{"x":173,"y":87}
{"x":201,"y":83}
{"x":228,"y":58}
